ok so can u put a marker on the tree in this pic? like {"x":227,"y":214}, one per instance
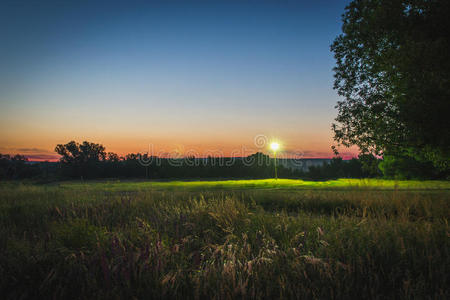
{"x":403,"y":167}
{"x":393,"y":70}
{"x":81,"y":159}
{"x":112,"y":157}
{"x":369,"y":165}
{"x":17,"y":167}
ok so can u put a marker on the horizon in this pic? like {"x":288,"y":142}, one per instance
{"x":241,"y":153}
{"x":197,"y":76}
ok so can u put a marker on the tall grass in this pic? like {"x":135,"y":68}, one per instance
{"x":79,"y":241}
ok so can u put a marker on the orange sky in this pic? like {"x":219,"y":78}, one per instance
{"x":38,"y":140}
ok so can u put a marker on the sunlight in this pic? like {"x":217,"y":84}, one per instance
{"x":274,"y":146}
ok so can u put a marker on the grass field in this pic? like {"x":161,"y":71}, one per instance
{"x":225,"y":239}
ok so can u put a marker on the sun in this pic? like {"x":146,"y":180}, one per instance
{"x":274,"y":146}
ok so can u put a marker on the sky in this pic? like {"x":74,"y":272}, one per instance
{"x":169,"y":77}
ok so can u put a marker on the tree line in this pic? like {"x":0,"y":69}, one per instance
{"x":88,"y":160}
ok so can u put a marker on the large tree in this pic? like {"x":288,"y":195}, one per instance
{"x":81,"y":159}
{"x":393,"y":70}
{"x":80,"y":153}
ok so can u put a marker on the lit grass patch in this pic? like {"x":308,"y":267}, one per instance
{"x":259,"y":184}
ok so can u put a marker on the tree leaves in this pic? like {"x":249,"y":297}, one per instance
{"x":393,"y":70}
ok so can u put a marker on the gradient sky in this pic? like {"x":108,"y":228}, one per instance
{"x":194,"y":76}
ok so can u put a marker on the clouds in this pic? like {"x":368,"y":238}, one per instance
{"x":33,"y":154}
{"x":30,"y":150}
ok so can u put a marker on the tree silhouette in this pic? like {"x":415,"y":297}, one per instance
{"x":393,"y":68}
{"x":81,"y":159}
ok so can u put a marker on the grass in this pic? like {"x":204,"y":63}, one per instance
{"x":290,"y":184}
{"x":225,"y":239}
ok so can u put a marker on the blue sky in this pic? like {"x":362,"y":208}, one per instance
{"x":201,"y":74}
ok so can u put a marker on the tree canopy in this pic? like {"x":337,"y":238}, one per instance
{"x":81,"y":159}
{"x":392,"y":69}
{"x":82,"y":153}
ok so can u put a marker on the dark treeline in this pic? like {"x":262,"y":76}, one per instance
{"x":17,"y":167}
{"x":90,"y":161}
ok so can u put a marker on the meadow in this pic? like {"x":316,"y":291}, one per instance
{"x":262,"y":239}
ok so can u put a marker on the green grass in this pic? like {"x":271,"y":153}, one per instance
{"x":225,"y":239}
{"x":290,"y":184}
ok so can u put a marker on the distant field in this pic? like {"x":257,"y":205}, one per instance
{"x":282,"y":238}
{"x":259,"y":184}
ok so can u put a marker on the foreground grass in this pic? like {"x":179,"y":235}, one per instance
{"x":230,"y":239}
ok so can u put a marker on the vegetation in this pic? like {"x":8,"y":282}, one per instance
{"x":16,"y":167}
{"x":393,"y":69}
{"x":241,"y":239}
{"x":90,"y":160}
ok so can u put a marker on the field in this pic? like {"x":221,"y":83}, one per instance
{"x":225,"y":239}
